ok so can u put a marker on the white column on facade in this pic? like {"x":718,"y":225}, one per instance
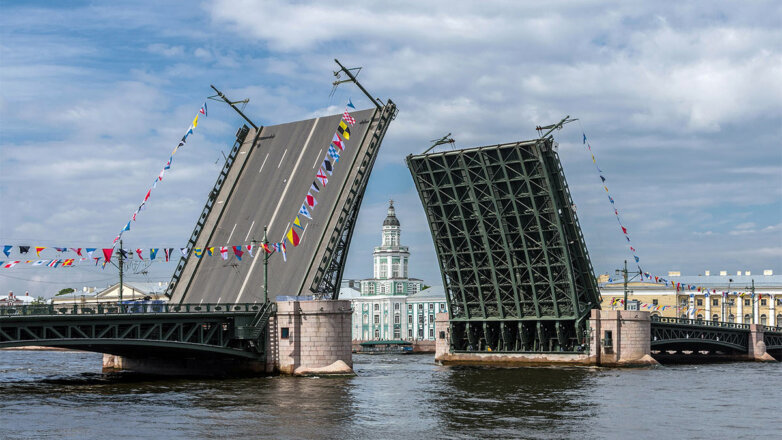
{"x":772,"y":311}
{"x":756,"y":309}
{"x":707,"y":299}
{"x":740,"y":309}
{"x":691,"y":308}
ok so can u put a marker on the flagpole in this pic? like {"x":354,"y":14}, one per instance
{"x":121,"y":260}
{"x":265,"y":267}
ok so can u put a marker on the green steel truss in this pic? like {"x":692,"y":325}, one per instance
{"x":159,"y":330}
{"x":512,"y":257}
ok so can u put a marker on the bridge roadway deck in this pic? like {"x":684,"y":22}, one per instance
{"x":266,"y":186}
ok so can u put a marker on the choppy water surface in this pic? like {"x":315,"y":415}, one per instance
{"x":63,"y":395}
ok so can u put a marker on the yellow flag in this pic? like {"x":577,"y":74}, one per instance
{"x":195,"y":122}
{"x":297,"y":223}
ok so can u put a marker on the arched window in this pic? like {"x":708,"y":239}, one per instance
{"x":699,"y":317}
{"x":763,"y":319}
{"x":653,"y":313}
{"x":748,"y":319}
{"x":778,"y":322}
{"x":715,"y":317}
{"x":731,"y":318}
{"x":684,"y":316}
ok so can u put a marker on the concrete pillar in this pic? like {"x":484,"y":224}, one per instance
{"x":630,"y":333}
{"x":442,"y":336}
{"x":739,"y":309}
{"x":757,"y":348}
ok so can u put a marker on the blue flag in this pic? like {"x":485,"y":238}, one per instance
{"x":350,"y":104}
{"x":126,"y":228}
{"x":6,"y":250}
{"x":585,"y":138}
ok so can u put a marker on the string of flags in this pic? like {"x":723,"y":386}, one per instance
{"x":692,"y":289}
{"x":336,"y":147}
{"x":601,"y":174}
{"x":104,"y":255}
{"x":159,"y":178}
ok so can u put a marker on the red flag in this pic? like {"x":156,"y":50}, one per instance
{"x":147,"y":196}
{"x":138,"y":251}
{"x":267,"y":248}
{"x":78,"y":251}
{"x":107,"y":254}
{"x":624,"y":229}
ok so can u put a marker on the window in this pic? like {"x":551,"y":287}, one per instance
{"x":400,"y":288}
{"x":377,"y":334}
{"x":747,"y":319}
{"x":779,"y":319}
{"x":431,"y":333}
{"x":420,"y":333}
{"x":284,"y":333}
{"x":377,"y":319}
{"x":396,"y":319}
{"x":396,"y":306}
{"x":410,"y":333}
{"x":699,"y":317}
{"x":431,"y":306}
{"x":409,"y":307}
{"x":700,"y":301}
{"x":746,"y":302}
{"x":396,"y":333}
{"x":383,"y":288}
{"x":442,"y":307}
{"x":715,"y":317}
{"x":409,"y":319}
{"x":763,"y":319}
{"x":431,"y":319}
{"x":762,"y":302}
{"x":655,"y":302}
{"x":395,"y":268}
{"x":377,"y":307}
{"x":715,"y":302}
{"x":383,"y":270}
{"x":420,"y":306}
{"x":731,"y":318}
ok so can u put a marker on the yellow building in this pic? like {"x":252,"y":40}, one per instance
{"x":718,"y":298}
{"x":130,"y":292}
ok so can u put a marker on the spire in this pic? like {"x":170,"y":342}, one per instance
{"x":391,"y":219}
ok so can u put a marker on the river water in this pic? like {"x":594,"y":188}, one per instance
{"x":54,"y":394}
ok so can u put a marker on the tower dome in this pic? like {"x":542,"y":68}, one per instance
{"x":391,"y":219}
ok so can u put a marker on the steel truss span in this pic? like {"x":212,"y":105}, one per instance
{"x":512,"y":256}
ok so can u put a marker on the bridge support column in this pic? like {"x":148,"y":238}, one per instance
{"x":311,"y":338}
{"x":756,"y":346}
{"x":620,"y":338}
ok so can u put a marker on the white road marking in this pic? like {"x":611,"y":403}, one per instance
{"x":283,"y":157}
{"x":232,"y":233}
{"x":279,"y":205}
{"x":250,"y":230}
{"x":317,"y":159}
{"x":264,"y":163}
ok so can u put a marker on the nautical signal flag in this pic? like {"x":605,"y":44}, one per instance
{"x":203,"y":109}
{"x":350,"y":104}
{"x":153,"y":253}
{"x":305,"y":212}
{"x":338,"y":142}
{"x":138,"y":251}
{"x":322,"y":177}
{"x":297,"y":223}
{"x":238,"y":252}
{"x":343,"y":130}
{"x":107,"y":254}
{"x":38,"y":250}
{"x":167,"y":253}
{"x":334,"y":154}
{"x":315,"y":186}
{"x":326,"y":165}
{"x":349,"y":119}
{"x":198,"y":252}
{"x":224,"y":252}
{"x":293,"y":237}
{"x":68,"y":262}
{"x":311,"y":200}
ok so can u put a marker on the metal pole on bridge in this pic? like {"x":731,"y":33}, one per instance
{"x":121,"y":264}
{"x":625,"y":277}
{"x":265,"y":266}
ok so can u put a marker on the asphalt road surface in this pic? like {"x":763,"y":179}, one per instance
{"x":266,"y":186}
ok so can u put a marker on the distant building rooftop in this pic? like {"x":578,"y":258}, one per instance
{"x":434,"y":293}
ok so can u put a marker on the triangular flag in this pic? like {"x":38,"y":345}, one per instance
{"x":25,"y":249}
{"x":78,"y":251}
{"x":238,"y":252}
{"x":127,"y":227}
{"x":322,"y":177}
{"x":297,"y":223}
{"x":203,"y":109}
{"x":138,"y":251}
{"x":250,"y":249}
{"x":68,"y":262}
{"x":210,"y":251}
{"x":315,"y":187}
{"x":284,"y":256}
{"x":107,"y":254}
{"x":183,"y":251}
{"x":38,"y":250}
{"x":40,"y":262}
{"x":334,"y":154}
{"x":90,"y":251}
{"x":195,"y":122}
{"x":350,"y":104}
{"x":153,"y":253}
{"x":147,"y":196}
{"x":7,"y":250}
{"x":167,"y":252}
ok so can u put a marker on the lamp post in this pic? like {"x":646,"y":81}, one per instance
{"x":624,"y":274}
{"x":725,"y":300}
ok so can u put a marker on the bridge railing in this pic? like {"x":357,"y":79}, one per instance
{"x":126,"y":309}
{"x":699,"y":322}
{"x":770,"y":328}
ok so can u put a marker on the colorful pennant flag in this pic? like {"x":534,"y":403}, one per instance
{"x":303,"y":211}
{"x":293,"y":237}
{"x":224,"y":252}
{"x":337,"y":142}
{"x":38,"y":250}
{"x":334,"y":154}
{"x":153,"y":253}
{"x":198,"y":252}
{"x":322,"y":177}
{"x":250,"y":249}
{"x":326,"y":165}
{"x":311,"y":200}
{"x":238,"y":252}
{"x":314,"y":187}
{"x":343,"y":130}
{"x":349,"y":119}
{"x":297,"y":223}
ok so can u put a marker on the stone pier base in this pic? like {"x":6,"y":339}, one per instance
{"x":304,"y":338}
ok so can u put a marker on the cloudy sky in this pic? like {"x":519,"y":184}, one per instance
{"x":682,"y":105}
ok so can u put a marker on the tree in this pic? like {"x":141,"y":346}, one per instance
{"x":65,"y":291}
{"x":40,"y":301}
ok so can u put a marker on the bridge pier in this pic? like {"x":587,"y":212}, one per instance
{"x":757,"y":347}
{"x":620,"y":338}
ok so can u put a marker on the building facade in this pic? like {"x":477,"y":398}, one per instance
{"x":381,"y":305}
{"x":726,"y":298}
{"x":421,"y":310}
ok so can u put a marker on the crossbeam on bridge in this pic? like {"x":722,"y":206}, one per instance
{"x":147,"y":330}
